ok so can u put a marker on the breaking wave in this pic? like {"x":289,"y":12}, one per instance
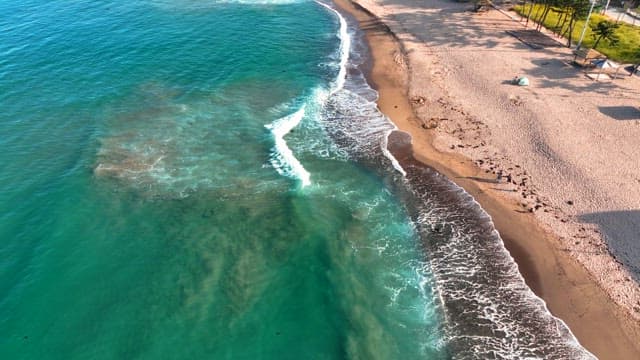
{"x":283,"y":159}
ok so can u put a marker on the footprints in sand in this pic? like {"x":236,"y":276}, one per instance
{"x":469,"y":135}
{"x":399,"y":59}
{"x":515,"y":100}
{"x":418,"y":100}
{"x":431,"y":123}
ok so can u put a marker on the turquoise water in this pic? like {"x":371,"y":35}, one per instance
{"x":153,"y":203}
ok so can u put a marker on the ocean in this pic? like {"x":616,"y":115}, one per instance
{"x":187,"y":179}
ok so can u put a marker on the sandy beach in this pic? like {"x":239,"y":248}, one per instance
{"x":556,"y":164}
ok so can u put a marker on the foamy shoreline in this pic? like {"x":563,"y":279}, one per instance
{"x":417,"y":84}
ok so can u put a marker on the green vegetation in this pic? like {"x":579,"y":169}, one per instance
{"x":605,"y":30}
{"x":566,"y":18}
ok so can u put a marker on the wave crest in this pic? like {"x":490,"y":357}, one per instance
{"x":282,"y":158}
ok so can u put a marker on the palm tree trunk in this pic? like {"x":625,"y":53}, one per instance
{"x":595,"y":44}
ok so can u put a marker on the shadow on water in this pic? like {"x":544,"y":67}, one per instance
{"x":621,"y":112}
{"x":622,"y":232}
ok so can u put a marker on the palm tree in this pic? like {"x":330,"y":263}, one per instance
{"x":605,"y":30}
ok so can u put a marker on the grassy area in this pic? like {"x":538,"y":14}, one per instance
{"x":624,"y":51}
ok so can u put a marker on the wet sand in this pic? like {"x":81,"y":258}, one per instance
{"x":570,"y":291}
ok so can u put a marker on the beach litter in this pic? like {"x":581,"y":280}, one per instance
{"x":604,"y":64}
{"x":520,"y":81}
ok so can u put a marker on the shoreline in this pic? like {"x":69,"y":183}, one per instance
{"x":565,"y":285}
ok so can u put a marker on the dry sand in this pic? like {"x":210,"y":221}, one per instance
{"x":571,"y":214}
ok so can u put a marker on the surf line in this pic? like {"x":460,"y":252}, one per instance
{"x":283,"y":159}
{"x":345,"y":48}
{"x":385,"y":150}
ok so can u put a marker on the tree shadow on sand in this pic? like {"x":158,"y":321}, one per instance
{"x":449,"y":27}
{"x":621,"y":230}
{"x":437,"y":20}
{"x":621,"y":112}
{"x":560,"y":73}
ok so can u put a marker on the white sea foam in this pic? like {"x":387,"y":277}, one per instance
{"x":283,"y":159}
{"x":387,"y":153}
{"x":345,"y":48}
{"x":473,"y":270}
